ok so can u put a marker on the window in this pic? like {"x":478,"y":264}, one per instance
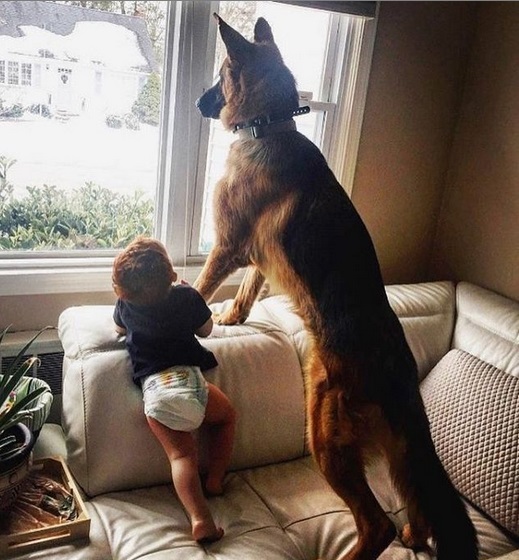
{"x":78,"y":138}
{"x":92,"y":138}
{"x":13,"y":70}
{"x":26,"y":79}
{"x":14,"y":75}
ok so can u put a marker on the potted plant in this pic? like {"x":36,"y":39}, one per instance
{"x":17,"y":438}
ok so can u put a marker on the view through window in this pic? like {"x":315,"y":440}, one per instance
{"x":79,"y":116}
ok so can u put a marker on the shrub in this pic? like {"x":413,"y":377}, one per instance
{"x":147,"y":105}
{"x":91,"y":217}
{"x":11,"y":111}
{"x":40,"y":109}
{"x":114,"y":121}
{"x":131,"y":122}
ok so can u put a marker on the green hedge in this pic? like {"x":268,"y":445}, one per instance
{"x":91,"y":217}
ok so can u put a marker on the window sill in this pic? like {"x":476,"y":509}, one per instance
{"x":77,"y":278}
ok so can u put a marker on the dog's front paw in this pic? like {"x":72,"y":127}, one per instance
{"x":229,"y":317}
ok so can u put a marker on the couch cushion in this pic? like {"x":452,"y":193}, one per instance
{"x":487,"y":326}
{"x":284,"y":511}
{"x":473,"y":409}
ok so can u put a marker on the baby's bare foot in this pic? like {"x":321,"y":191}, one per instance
{"x":205,"y":532}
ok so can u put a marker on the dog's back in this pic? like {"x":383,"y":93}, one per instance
{"x":280,"y":209}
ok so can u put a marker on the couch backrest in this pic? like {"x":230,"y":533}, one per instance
{"x":426,"y":311}
{"x":487,"y":327}
{"x":109,"y":444}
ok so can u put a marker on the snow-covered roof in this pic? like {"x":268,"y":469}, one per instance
{"x":114,"y":46}
{"x":71,"y":33}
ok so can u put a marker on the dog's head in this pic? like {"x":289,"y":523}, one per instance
{"x":253,"y":81}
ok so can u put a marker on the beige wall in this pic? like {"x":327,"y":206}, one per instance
{"x":478,"y":234}
{"x":413,"y":98}
{"x":32,"y":312}
{"x":437,"y":180}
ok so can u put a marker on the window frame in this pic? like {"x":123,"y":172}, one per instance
{"x":183,"y":138}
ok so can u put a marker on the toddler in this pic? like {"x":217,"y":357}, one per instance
{"x":160,"y":321}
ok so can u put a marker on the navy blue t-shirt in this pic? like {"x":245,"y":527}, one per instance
{"x":162,"y":335}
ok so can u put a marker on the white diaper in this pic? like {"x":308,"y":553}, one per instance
{"x":176,"y":397}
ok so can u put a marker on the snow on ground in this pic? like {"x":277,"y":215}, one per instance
{"x":70,"y":154}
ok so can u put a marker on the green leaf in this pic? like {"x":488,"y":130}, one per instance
{"x":11,"y":380}
{"x":15,"y":414}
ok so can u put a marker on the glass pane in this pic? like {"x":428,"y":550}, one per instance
{"x":79,"y":114}
{"x":302,"y":37}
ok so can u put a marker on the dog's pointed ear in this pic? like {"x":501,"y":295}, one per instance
{"x":238,"y":48}
{"x":263,"y":32}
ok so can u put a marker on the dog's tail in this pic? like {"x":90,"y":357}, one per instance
{"x":434,"y":505}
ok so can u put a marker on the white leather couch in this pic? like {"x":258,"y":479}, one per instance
{"x":276,"y":505}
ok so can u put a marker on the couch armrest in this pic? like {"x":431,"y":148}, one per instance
{"x":487,"y":327}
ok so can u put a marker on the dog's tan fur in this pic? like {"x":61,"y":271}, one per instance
{"x":280,"y":211}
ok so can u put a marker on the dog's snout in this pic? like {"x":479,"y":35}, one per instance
{"x":211,"y":102}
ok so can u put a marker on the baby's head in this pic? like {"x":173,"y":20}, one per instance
{"x":143,"y":273}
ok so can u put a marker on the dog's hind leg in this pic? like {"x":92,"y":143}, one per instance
{"x":434,"y":507}
{"x":246,"y":296}
{"x":333,"y":435}
{"x":416,"y":533}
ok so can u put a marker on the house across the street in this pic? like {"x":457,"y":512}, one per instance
{"x":70,"y":59}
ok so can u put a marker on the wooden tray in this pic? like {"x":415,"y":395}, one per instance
{"x":53,"y":535}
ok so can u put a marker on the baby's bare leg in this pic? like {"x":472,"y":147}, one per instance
{"x":220,"y":422}
{"x":181,"y":449}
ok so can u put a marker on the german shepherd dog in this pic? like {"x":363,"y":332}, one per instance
{"x":280,"y":212}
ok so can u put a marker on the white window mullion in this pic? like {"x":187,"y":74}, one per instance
{"x":186,"y":48}
{"x":204,"y":143}
{"x":200,"y":190}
